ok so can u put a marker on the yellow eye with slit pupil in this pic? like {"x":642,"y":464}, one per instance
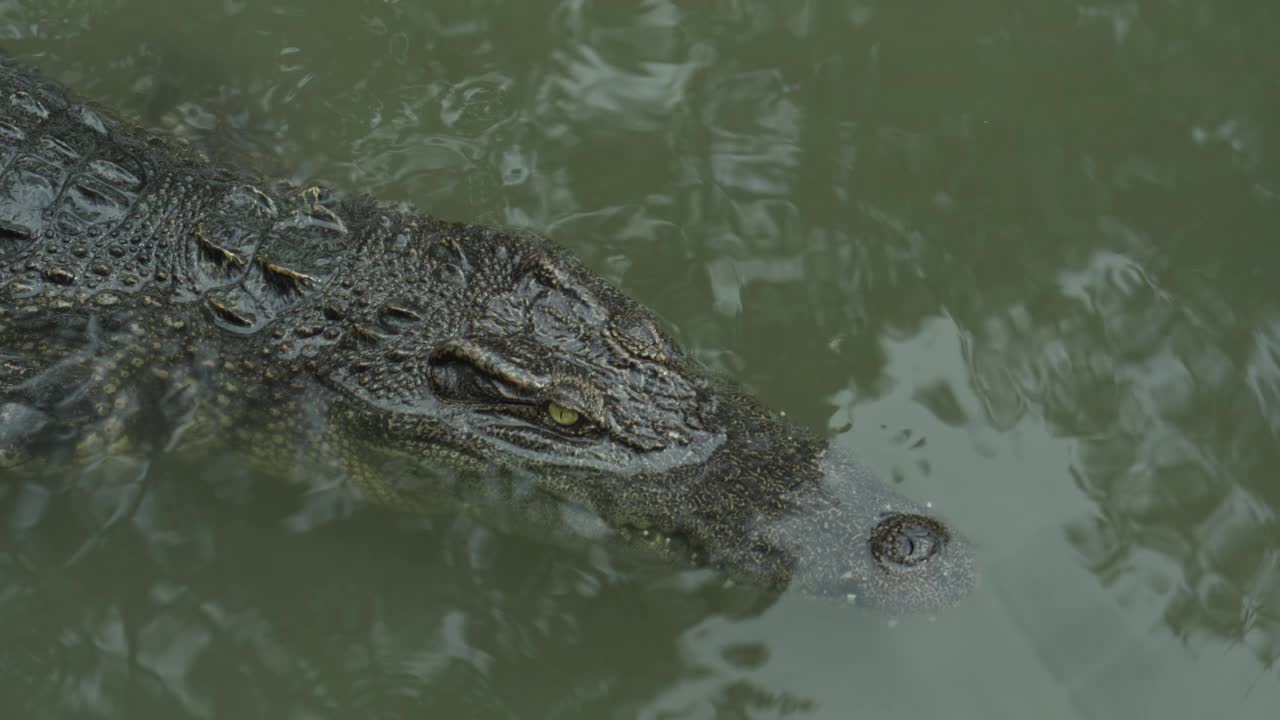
{"x":562,"y":415}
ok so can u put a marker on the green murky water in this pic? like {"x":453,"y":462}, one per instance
{"x":1042,"y":237}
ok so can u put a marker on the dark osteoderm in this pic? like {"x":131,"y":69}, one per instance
{"x":143,"y":290}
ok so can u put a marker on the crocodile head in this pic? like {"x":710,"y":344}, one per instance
{"x":560,"y":376}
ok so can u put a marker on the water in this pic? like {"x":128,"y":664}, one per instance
{"x":1019,"y":256}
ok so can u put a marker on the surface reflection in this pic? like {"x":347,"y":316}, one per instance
{"x":1081,"y":194}
{"x":1174,"y":442}
{"x":130,"y":590}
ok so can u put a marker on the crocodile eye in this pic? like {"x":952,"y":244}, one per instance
{"x":562,"y":415}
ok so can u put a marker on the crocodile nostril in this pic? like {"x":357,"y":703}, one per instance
{"x":907,"y":540}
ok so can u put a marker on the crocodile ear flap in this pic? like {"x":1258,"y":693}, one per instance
{"x":632,"y":333}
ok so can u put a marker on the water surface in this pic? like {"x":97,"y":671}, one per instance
{"x":1020,"y":256}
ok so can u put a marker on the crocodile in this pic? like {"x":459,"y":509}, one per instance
{"x":150,"y":296}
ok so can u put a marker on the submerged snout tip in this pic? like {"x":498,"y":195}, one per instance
{"x":912,"y":562}
{"x":846,"y":535}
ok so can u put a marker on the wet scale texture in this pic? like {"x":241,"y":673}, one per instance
{"x":330,"y":336}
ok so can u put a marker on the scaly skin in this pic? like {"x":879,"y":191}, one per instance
{"x":143,"y":292}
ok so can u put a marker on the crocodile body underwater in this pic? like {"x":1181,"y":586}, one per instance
{"x":143,"y":289}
